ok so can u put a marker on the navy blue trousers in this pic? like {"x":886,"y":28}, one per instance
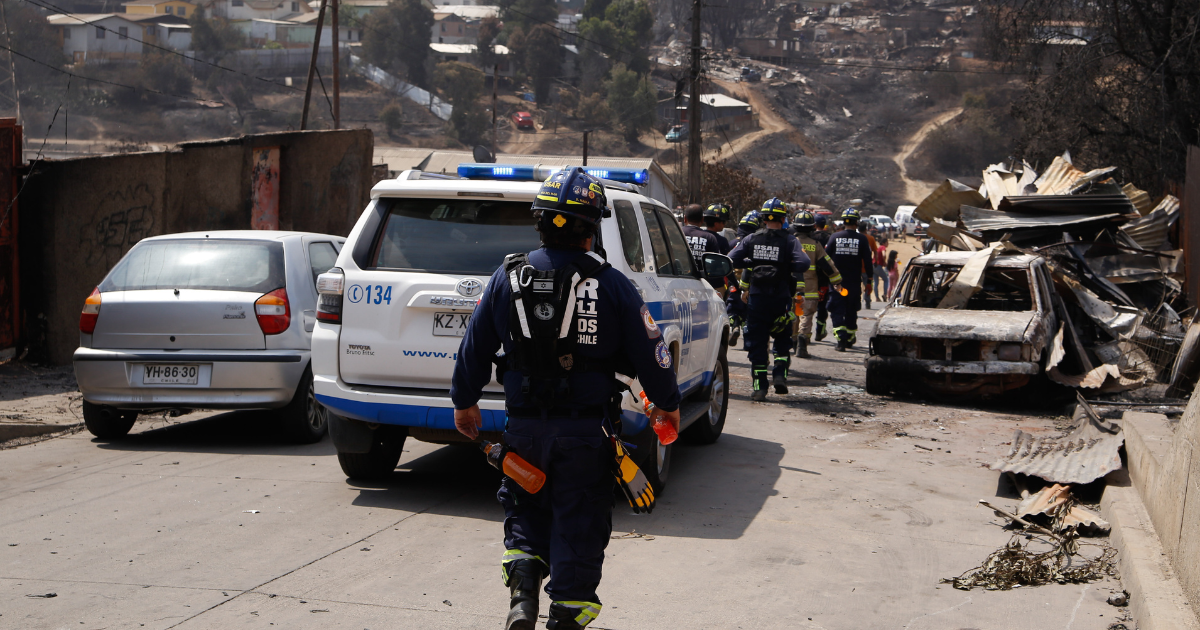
{"x":763,"y":311}
{"x":735,"y":306}
{"x":843,"y":311}
{"x":568,"y":522}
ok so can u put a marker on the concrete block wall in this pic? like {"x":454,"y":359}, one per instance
{"x":80,"y":216}
{"x":1164,"y":466}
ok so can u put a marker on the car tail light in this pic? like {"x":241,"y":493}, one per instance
{"x":330,"y":286}
{"x":91,"y":312}
{"x":273,"y":312}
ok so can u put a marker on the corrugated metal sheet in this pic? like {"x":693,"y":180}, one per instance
{"x":944,"y":202}
{"x":1058,"y":179}
{"x":1068,"y":204}
{"x":1150,"y":232}
{"x":983,"y":220}
{"x":1139,"y":198}
{"x":1077,"y":458}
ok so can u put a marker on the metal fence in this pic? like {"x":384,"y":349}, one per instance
{"x":1152,"y":348}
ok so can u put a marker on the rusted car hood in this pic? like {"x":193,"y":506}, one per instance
{"x":907,"y":321}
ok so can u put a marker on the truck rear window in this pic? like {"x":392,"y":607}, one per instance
{"x":202,"y":264}
{"x":459,"y":236}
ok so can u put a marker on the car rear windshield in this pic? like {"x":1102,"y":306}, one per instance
{"x":460,"y":236}
{"x":212,"y":264}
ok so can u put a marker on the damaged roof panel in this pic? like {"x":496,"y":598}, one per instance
{"x":1150,"y":232}
{"x":943,"y":203}
{"x":1068,"y":204}
{"x":983,"y":220}
{"x":1084,"y":456}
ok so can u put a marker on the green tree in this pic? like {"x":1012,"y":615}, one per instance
{"x":595,"y":8}
{"x":392,"y":117}
{"x":525,"y":14}
{"x":33,"y":36}
{"x":634,"y":22}
{"x":488,"y":31}
{"x":214,"y":38}
{"x":595,"y":56}
{"x":396,"y":38}
{"x":461,"y":85}
{"x":541,"y":58}
{"x":631,"y":102}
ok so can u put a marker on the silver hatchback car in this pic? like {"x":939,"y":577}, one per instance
{"x":213,"y":320}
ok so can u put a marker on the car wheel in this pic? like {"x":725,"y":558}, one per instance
{"x":107,"y":423}
{"x":379,"y":463}
{"x":304,"y":419}
{"x":708,"y":428}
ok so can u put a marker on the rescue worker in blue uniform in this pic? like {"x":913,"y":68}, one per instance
{"x":567,"y":321}
{"x":851,"y":254}
{"x":775,"y":261}
{"x":699,"y":240}
{"x":715,"y":217}
{"x":749,"y":224}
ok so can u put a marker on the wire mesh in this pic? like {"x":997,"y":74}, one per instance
{"x":1152,"y":349}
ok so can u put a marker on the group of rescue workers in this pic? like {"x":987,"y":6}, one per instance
{"x":562,"y":391}
{"x":782,"y":269}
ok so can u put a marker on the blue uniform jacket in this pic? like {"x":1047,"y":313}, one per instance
{"x":851,"y":254}
{"x":621,"y":329}
{"x":799,"y":262}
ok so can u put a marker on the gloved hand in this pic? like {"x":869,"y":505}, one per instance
{"x":633,"y":482}
{"x":783,"y":322}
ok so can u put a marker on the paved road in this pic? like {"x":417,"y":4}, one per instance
{"x":810,"y":512}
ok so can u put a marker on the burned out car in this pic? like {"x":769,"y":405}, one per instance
{"x":972,"y":323}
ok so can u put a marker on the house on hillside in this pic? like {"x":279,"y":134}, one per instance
{"x":305,"y":26}
{"x":258,"y":9}
{"x":468,"y":53}
{"x":98,"y":37}
{"x":363,"y":8}
{"x":449,"y":28}
{"x":164,"y":29}
{"x":717,"y":112}
{"x":160,"y":7}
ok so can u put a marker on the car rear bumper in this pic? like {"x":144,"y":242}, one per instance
{"x":909,"y":366}
{"x":399,"y":406}
{"x":228,"y":379}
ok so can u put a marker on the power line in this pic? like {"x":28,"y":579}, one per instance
{"x":13,"y":202}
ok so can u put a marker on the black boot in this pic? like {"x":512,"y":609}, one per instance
{"x":524,"y":581}
{"x":802,"y":348}
{"x":563,"y":618}
{"x":779,"y":380}
{"x":759,"y":374}
{"x":821,"y":330}
{"x":734,"y":334}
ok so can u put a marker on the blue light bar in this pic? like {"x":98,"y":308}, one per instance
{"x":498,"y":171}
{"x":519,"y":172}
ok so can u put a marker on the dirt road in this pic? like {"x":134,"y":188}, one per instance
{"x":769,"y":124}
{"x":914,"y":190}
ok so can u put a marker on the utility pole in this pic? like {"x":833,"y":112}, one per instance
{"x":694,"y":166}
{"x":585,"y":139}
{"x":312,"y":66}
{"x":495,"y":80}
{"x":337,"y":71}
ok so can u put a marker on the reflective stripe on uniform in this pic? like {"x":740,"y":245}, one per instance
{"x":812,"y":296}
{"x":588,"y":611}
{"x":512,"y":555}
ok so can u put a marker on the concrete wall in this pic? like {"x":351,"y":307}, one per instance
{"x":79,"y":217}
{"x":1164,"y":466}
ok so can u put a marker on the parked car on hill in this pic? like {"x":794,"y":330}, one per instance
{"x":212,"y":320}
{"x":677,"y":133}
{"x":523,"y":120}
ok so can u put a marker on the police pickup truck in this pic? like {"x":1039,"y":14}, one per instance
{"x":393,"y":311}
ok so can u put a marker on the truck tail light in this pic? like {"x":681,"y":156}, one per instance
{"x":91,"y":312}
{"x":273,"y":312}
{"x":330,"y":287}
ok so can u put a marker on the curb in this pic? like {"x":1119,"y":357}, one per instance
{"x":23,"y":430}
{"x":1156,"y":598}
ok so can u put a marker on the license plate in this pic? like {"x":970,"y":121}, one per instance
{"x":162,"y":374}
{"x":450,"y":324}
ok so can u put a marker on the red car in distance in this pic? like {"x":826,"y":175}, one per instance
{"x":523,"y":120}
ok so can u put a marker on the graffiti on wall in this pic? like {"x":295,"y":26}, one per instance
{"x":123,"y":217}
{"x":264,"y":189}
